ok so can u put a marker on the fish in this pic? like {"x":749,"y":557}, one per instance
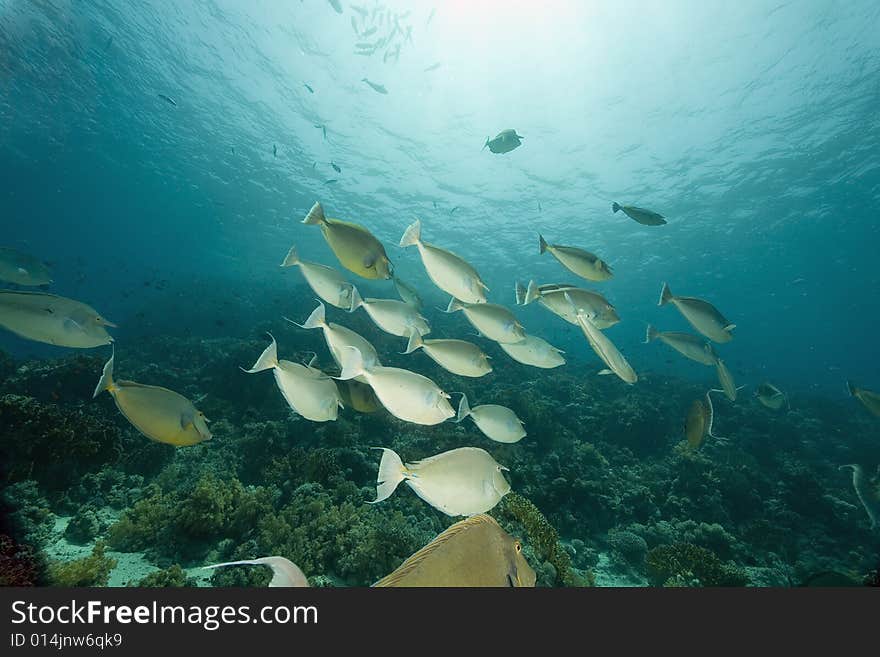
{"x":274,"y":150}
{"x":491,"y":320}
{"x":407,"y":293}
{"x":540,"y":209}
{"x":642,"y":216}
{"x":325,"y":281}
{"x":359,"y":396}
{"x":285,"y":573}
{"x":355,"y":246}
{"x":160,"y":414}
{"x":337,"y":6}
{"x":52,"y":319}
{"x":311,"y":91}
{"x":870,"y":400}
{"x":391,"y":315}
{"x":498,"y":423}
{"x":330,"y":181}
{"x":361,"y":10}
{"x":580,"y":262}
{"x":461,"y":482}
{"x":375,"y":87}
{"x":534,"y":351}
{"x":432,"y":67}
{"x":770,"y":396}
{"x":474,"y":552}
{"x":603,"y":347}
{"x":323,"y":130}
{"x":336,"y":167}
{"x":702,"y":315}
{"x":552,"y":297}
{"x":167,"y":99}
{"x":452,"y":211}
{"x":307,"y":390}
{"x":407,"y":395}
{"x":23,"y":269}
{"x":456,"y":356}
{"x":868,"y":495}
{"x":430,"y":17}
{"x":339,"y":337}
{"x":369,"y":32}
{"x":698,"y":423}
{"x":689,"y":346}
{"x":448,"y":271}
{"x":726,"y":379}
{"x":504,"y":142}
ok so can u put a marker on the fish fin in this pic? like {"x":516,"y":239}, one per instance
{"x":315,"y":215}
{"x":391,"y":473}
{"x":415,"y":341}
{"x":454,"y":304}
{"x":729,"y":327}
{"x":615,"y":207}
{"x":520,"y":292}
{"x":352,"y":364}
{"x":106,"y":380}
{"x":542,"y":245}
{"x":356,"y":300}
{"x":665,"y":295}
{"x":291,"y":258}
{"x":267,"y":360}
{"x":312,"y":361}
{"x":186,"y":419}
{"x":650,"y":334}
{"x":463,"y":408}
{"x":316,"y":320}
{"x":532,"y":293}
{"x":412,"y":235}
{"x":71,"y":324}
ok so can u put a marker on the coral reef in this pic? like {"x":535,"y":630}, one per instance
{"x":18,"y":565}
{"x":173,"y":576}
{"x":685,"y":564}
{"x":93,"y":570}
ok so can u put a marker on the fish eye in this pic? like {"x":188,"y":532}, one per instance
{"x":517,"y":546}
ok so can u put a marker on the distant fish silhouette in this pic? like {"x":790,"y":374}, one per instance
{"x":336,"y":167}
{"x":539,"y":206}
{"x":323,"y":129}
{"x":336,"y":5}
{"x":454,"y":209}
{"x":311,"y":91}
{"x":435,"y":204}
{"x":432,"y":67}
{"x":167,"y":99}
{"x":331,"y":181}
{"x":375,"y":87}
{"x":274,"y":150}
{"x":430,"y":16}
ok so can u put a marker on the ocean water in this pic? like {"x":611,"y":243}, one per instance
{"x":752,"y":127}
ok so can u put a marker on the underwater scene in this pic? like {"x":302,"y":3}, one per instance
{"x":439,"y":293}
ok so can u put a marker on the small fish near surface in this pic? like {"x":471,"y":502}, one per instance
{"x":770,"y":396}
{"x":583,"y":263}
{"x":52,"y":319}
{"x":324,"y":131}
{"x":867,"y":491}
{"x":432,"y":67}
{"x":391,"y":315}
{"x":160,"y":414}
{"x":496,"y":422}
{"x":23,"y":269}
{"x":640,"y":215}
{"x":475,"y":552}
{"x":451,"y":273}
{"x":504,"y":142}
{"x":325,"y":281}
{"x":457,"y":356}
{"x":491,"y":320}
{"x":285,"y":573}
{"x":378,"y":88}
{"x":307,"y":390}
{"x":689,"y":346}
{"x":167,"y":99}
{"x":330,"y":181}
{"x":311,"y":91}
{"x":702,"y":315}
{"x":336,"y":167}
{"x":870,"y":400}
{"x":274,"y":150}
{"x":356,"y":247}
{"x":461,"y":482}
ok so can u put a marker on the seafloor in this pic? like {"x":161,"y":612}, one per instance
{"x":605,"y":491}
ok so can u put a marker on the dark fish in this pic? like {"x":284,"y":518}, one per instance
{"x":454,"y":209}
{"x":504,"y":142}
{"x":323,"y":129}
{"x":167,"y":99}
{"x":311,"y":91}
{"x":274,"y":150}
{"x":640,"y":215}
{"x":539,"y":207}
{"x":330,"y":181}
{"x":369,"y":32}
{"x":336,"y":167}
{"x":233,"y":150}
{"x":375,"y":87}
{"x":435,"y":204}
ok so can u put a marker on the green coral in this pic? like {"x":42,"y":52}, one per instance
{"x":543,"y":538}
{"x":93,"y":570}
{"x":173,"y":576}
{"x":686,"y":562}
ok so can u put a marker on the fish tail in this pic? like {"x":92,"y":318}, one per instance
{"x":291,"y":258}
{"x":542,"y":245}
{"x":267,"y":360}
{"x":106,"y":380}
{"x":615,"y":207}
{"x":463,"y":408}
{"x":315,"y":215}
{"x":520,"y":294}
{"x":415,"y":341}
{"x":532,"y":293}
{"x":356,"y":300}
{"x":316,"y":320}
{"x":650,"y":334}
{"x":484,"y":145}
{"x":454,"y":304}
{"x":412,"y":235}
{"x":391,"y":473}
{"x":665,"y":295}
{"x":352,"y":364}
{"x":850,"y":388}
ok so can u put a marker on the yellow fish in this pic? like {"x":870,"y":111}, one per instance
{"x":158,"y":413}
{"x":357,"y":248}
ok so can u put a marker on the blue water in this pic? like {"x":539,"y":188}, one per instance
{"x":752,"y":126}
